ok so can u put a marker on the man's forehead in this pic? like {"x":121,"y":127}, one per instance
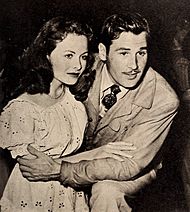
{"x":129,"y":39}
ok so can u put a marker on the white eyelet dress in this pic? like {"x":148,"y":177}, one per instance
{"x":57,"y":131}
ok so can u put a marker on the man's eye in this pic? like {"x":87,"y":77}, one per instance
{"x":124,"y":53}
{"x":68,"y":56}
{"x":143,"y":53}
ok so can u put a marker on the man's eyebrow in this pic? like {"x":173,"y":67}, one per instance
{"x":143,"y":48}
{"x":122,"y":48}
{"x":128,"y":49}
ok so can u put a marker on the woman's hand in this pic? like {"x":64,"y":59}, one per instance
{"x":116,"y":150}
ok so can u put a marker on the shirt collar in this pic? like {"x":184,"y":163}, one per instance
{"x":146,"y":88}
{"x":107,"y":81}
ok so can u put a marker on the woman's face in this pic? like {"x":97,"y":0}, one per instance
{"x":69,"y":58}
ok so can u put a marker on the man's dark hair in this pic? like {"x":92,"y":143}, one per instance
{"x":116,"y":24}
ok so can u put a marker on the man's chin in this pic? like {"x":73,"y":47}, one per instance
{"x":131,"y":85}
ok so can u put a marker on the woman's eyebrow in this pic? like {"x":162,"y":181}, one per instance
{"x":85,"y":52}
{"x":69,"y":51}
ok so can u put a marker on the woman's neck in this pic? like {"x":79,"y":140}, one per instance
{"x":57,"y":89}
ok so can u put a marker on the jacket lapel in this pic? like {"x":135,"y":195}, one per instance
{"x":94,"y":93}
{"x":142,"y":97}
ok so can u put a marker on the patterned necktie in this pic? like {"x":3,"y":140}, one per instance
{"x":110,"y":99}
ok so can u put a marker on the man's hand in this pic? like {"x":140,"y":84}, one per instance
{"x":42,"y":168}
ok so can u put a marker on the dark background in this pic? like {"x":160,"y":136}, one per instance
{"x":20,"y":21}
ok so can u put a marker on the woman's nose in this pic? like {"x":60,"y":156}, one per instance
{"x":77,"y":64}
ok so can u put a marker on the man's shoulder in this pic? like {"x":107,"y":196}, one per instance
{"x":164,"y":92}
{"x":163,"y":85}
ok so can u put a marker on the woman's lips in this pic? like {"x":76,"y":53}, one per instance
{"x":74,"y":74}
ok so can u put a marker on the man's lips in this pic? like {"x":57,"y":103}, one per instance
{"x":131,"y":74}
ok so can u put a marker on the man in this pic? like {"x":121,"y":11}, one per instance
{"x":144,"y":108}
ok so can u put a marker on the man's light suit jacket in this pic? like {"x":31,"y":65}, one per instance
{"x":142,"y":117}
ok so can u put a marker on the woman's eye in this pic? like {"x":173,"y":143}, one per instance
{"x":84,"y":57}
{"x":68,"y":56}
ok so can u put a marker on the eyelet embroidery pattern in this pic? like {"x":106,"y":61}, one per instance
{"x":61,"y":192}
{"x":65,"y":118}
{"x":38,"y":204}
{"x":50,"y":199}
{"x":78,"y":140}
{"x":14,"y":132}
{"x":22,"y":119}
{"x":6,"y":125}
{"x":23,"y":204}
{"x":61,"y":205}
{"x":51,"y":186}
{"x":80,"y":194}
{"x":55,"y":197}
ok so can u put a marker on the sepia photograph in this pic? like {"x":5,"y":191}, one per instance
{"x":95,"y":106}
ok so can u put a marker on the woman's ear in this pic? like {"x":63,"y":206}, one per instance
{"x":48,"y":57}
{"x":102,"y":51}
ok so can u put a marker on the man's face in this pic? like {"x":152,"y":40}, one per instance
{"x":127,"y":58}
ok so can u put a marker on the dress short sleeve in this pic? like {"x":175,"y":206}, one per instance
{"x":16,"y":127}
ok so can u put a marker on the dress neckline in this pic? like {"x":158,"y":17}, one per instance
{"x":34,"y":100}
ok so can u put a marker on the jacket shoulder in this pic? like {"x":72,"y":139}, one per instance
{"x":164,"y":90}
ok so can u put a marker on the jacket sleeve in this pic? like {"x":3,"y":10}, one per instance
{"x":148,"y":135}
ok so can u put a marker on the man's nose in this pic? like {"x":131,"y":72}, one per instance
{"x":132,"y":63}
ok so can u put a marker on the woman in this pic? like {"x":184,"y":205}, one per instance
{"x":46,"y":115}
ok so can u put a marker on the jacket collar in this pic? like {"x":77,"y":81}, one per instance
{"x":142,"y":96}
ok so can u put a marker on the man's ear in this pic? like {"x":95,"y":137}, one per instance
{"x":102,"y":51}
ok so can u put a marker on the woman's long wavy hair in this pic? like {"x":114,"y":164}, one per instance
{"x":33,"y":71}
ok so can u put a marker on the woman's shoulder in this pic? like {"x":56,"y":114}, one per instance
{"x":41,"y":101}
{"x":21,"y":100}
{"x":20,"y":105}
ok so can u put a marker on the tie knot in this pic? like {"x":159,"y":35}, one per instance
{"x":110,"y":99}
{"x":115,"y":89}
